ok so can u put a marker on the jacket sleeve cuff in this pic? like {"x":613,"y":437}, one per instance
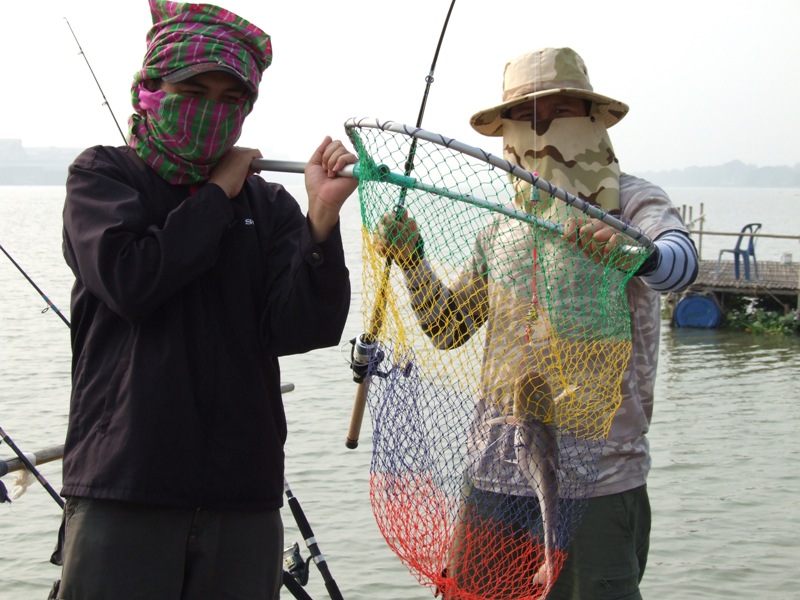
{"x":330,"y":251}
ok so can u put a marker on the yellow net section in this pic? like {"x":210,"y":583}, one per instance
{"x":500,"y":351}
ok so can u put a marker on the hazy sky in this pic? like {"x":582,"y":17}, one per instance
{"x":708,"y":81}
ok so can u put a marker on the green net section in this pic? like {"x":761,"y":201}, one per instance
{"x":500,"y":352}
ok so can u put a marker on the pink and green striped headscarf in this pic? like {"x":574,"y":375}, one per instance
{"x":183,"y":138}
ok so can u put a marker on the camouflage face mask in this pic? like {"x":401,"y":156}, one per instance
{"x":574,"y":154}
{"x":182,"y":138}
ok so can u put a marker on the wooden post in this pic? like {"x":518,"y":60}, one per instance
{"x":700,"y":237}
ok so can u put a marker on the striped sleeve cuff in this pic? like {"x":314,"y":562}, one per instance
{"x":675,"y":263}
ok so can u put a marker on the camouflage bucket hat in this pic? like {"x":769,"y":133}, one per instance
{"x":542,"y":73}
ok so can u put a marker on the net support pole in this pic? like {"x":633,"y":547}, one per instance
{"x":290,"y":166}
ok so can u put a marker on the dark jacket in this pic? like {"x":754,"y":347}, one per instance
{"x":182,"y":302}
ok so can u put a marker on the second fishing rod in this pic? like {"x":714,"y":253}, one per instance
{"x":365,"y":345}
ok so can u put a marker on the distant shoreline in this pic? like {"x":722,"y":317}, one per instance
{"x":48,"y":166}
{"x":733,"y":174}
{"x":34,"y":166}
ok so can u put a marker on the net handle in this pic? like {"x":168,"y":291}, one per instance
{"x":291,"y":166}
{"x":405,"y":182}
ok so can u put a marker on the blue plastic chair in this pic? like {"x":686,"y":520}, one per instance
{"x":746,"y":253}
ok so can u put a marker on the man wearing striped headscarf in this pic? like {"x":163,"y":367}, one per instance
{"x":192,"y":276}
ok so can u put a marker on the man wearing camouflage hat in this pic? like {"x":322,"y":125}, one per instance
{"x":192,"y":276}
{"x":554,"y":123}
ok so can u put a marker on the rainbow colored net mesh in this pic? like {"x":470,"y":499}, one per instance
{"x":496,"y":373}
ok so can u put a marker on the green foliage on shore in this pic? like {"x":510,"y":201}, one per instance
{"x":764,"y":315}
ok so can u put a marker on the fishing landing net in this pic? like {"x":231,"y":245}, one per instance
{"x":496,"y":366}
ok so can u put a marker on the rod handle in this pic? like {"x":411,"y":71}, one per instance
{"x":357,"y":416}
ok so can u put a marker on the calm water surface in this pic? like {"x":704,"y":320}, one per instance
{"x":725,"y":485}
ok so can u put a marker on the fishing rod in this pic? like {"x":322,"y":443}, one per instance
{"x":364,"y":346}
{"x":298,"y":568}
{"x":30,"y":467}
{"x":124,"y":141}
{"x":105,"y":100}
{"x":36,"y":287}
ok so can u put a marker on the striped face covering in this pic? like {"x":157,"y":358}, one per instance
{"x":183,"y":138}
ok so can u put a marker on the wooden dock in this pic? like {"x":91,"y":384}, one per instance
{"x":774,"y":279}
{"x":780,"y":280}
{"x":707,"y":301}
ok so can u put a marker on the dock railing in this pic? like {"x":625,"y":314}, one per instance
{"x":696,"y":228}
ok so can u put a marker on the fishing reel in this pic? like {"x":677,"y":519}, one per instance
{"x":362,"y":355}
{"x":295,"y":565}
